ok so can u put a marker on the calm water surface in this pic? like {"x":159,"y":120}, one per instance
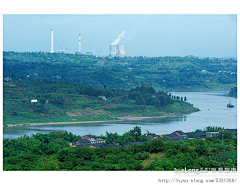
{"x":213,"y":106}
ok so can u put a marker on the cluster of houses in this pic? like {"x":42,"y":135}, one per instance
{"x":232,"y":73}
{"x":180,"y":135}
{"x":34,"y":74}
{"x":97,"y":142}
{"x":88,"y":141}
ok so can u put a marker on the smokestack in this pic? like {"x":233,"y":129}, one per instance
{"x":51,"y":41}
{"x":79,"y":43}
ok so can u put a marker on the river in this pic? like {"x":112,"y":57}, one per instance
{"x":213,"y":106}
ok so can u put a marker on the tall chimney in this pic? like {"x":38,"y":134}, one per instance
{"x":79,"y":43}
{"x":51,"y":41}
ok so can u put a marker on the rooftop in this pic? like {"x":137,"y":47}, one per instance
{"x":196,"y":134}
{"x":179,"y":131}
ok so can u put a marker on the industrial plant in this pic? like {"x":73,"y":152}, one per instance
{"x":79,"y":45}
{"x":51,"y":41}
{"x":116,"y":49}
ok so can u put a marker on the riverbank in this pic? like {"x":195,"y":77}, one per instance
{"x":214,"y":112}
{"x":129,"y":118}
{"x":111,"y":115}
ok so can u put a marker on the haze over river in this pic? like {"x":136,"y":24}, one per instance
{"x":213,"y":106}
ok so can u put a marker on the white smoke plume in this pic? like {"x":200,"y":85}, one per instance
{"x":120,"y":37}
{"x":131,"y":34}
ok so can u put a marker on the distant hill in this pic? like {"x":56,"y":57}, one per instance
{"x":162,"y":73}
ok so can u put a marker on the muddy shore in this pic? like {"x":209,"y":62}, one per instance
{"x":61,"y":123}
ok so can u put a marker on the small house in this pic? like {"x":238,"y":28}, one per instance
{"x":82,"y":141}
{"x":193,"y":135}
{"x":88,"y":137}
{"x":98,"y":138}
{"x":153,"y":136}
{"x":175,"y":136}
{"x":79,"y":142}
{"x":34,"y":101}
{"x":73,"y":144}
{"x":179,"y":133}
{"x":210,"y":134}
{"x":95,"y":145}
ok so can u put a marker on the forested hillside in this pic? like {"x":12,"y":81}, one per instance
{"x":50,"y":101}
{"x":162,"y":73}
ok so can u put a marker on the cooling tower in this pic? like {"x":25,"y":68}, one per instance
{"x":121,"y":50}
{"x":113,"y":50}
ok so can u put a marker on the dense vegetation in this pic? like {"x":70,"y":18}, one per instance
{"x":52,"y":152}
{"x":67,"y":86}
{"x":209,"y":129}
{"x":71,"y":87}
{"x":59,"y":102}
{"x":233,"y":92}
{"x":161,"y":73}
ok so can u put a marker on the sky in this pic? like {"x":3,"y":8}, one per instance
{"x":202,"y":35}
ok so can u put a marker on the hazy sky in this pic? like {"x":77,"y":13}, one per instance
{"x":201,"y":35}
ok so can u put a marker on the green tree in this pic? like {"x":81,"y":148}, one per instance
{"x":57,"y":99}
{"x":201,"y":147}
{"x":136,"y":132}
{"x":225,"y":134}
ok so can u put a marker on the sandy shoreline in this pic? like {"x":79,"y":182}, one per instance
{"x":62,"y":123}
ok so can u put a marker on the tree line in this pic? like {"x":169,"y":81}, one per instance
{"x":51,"y":152}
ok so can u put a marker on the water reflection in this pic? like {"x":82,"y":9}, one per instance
{"x":94,"y":128}
{"x":162,"y":119}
